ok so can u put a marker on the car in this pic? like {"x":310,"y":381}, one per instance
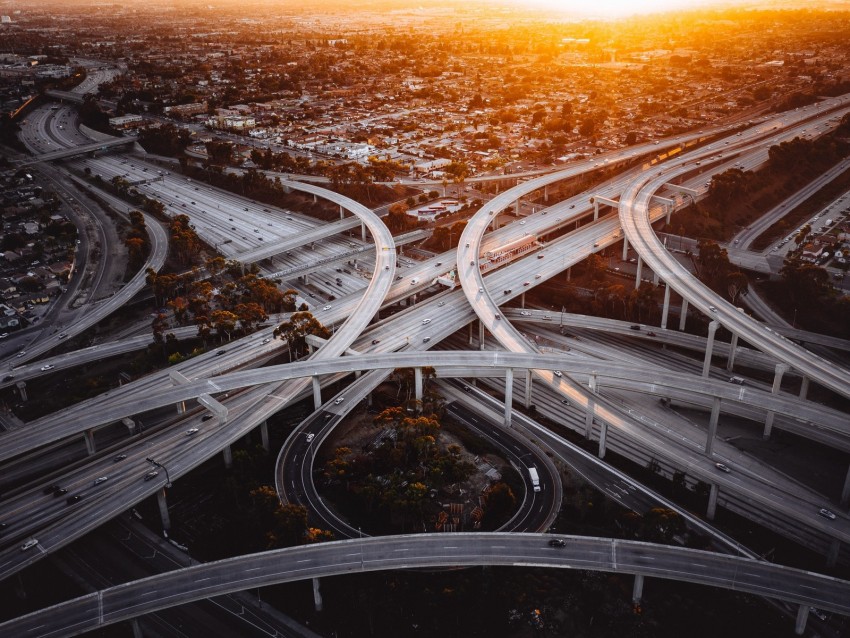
{"x":525,"y":313}
{"x":22,"y":353}
{"x":46,"y":368}
{"x":572,"y":206}
{"x":538,"y":276}
{"x":565,"y":401}
{"x":74,"y":499}
{"x":220,"y":352}
{"x":826,"y":513}
{"x":339,"y":400}
{"x":60,"y":491}
{"x":507,"y":291}
{"x":557,"y":542}
{"x":722,"y":467}
{"x":467,"y":388}
{"x":4,"y":335}
{"x":375,"y":342}
{"x":712,"y":308}
{"x":426,"y":322}
{"x":522,"y":223}
{"x":467,"y":245}
{"x":8,"y":377}
{"x":326,"y":307}
{"x":498,"y":316}
{"x":206,"y":417}
{"x":441,"y":304}
{"x":596,"y":244}
{"x":558,"y":373}
{"x":151,"y":475}
{"x":387,"y":267}
{"x":192,"y":431}
{"x":62,"y":335}
{"x":526,"y":283}
{"x":267,"y":340}
{"x":472,"y":263}
{"x":634,"y":327}
{"x":439,"y":263}
{"x":736,"y":380}
{"x":310,"y":437}
{"x":29,"y":543}
{"x":541,"y":256}
{"x":426,"y":340}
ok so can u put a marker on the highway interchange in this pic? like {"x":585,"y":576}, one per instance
{"x":257,"y":227}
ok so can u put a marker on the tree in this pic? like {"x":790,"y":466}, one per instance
{"x":224,"y":322}
{"x":295,"y":331}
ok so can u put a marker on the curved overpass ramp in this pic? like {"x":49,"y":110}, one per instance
{"x":182,"y":586}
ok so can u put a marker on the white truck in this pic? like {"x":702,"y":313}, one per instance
{"x":535,"y":479}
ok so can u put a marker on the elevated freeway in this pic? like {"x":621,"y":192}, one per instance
{"x":135,"y":598}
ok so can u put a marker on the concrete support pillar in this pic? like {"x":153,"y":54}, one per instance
{"x":315,"y":199}
{"x":341,"y":212}
{"x":522,"y":300}
{"x":683,"y":315}
{"x":845,"y":491}
{"x":88,"y":435}
{"x":804,"y":388}
{"x":781,"y":369}
{"x":669,"y":211}
{"x":655,"y":279}
{"x":712,"y":425}
{"x":569,"y":273}
{"x":480,"y":335}
{"x":317,"y":595}
{"x":603,"y":435}
{"x":802,"y":617}
{"x":595,"y":209}
{"x":832,"y":554}
{"x":181,"y":407}
{"x":264,"y":435}
{"x":666,"y":310}
{"x":369,"y":400}
{"x":546,"y":193}
{"x":639,"y":272}
{"x":509,"y":395}
{"x":227,"y":453}
{"x":637,"y":590}
{"x":362,"y":231}
{"x":163,"y":509}
{"x":733,"y":350}
{"x":593,"y":383}
{"x":625,"y":247}
{"x":709,"y":347}
{"x":711,"y":510}
{"x":588,"y":419}
{"x":470,"y":332}
{"x":137,"y":629}
{"x":22,"y":389}
{"x":527,"y":397}
{"x":517,"y":205}
{"x":317,"y":393}
{"x":417,"y":382}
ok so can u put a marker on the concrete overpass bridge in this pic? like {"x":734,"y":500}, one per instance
{"x":79,"y":150}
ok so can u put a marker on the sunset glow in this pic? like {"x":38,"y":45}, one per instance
{"x":613,"y":8}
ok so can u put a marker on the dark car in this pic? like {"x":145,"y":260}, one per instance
{"x":206,"y":417}
{"x":635,"y":327}
{"x":74,"y":499}
{"x":557,"y":542}
{"x":60,"y":491}
{"x":120,"y":457}
{"x":51,"y":488}
{"x":8,"y":377}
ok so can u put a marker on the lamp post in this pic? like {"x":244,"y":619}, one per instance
{"x":164,"y":469}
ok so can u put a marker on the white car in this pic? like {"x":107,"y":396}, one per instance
{"x":192,"y":431}
{"x":441,"y":304}
{"x":310,"y":437}
{"x":46,"y":368}
{"x":100,"y":480}
{"x":712,"y":308}
{"x":826,"y":513}
{"x":267,"y":340}
{"x":326,"y":308}
{"x":426,"y":321}
{"x":339,"y":400}
{"x":32,"y":542}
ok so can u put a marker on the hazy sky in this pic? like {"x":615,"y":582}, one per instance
{"x":613,"y":8}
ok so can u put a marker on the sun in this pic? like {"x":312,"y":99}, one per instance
{"x":612,"y":8}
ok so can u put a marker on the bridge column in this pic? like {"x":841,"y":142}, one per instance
{"x":569,"y":273}
{"x":637,"y":589}
{"x":845,"y":491}
{"x":546,"y":193}
{"x":588,"y":419}
{"x":264,"y":435}
{"x":163,"y":509}
{"x":654,"y":279}
{"x":227,"y":453}
{"x":709,"y":347}
{"x":317,"y":393}
{"x":137,"y":629}
{"x":517,"y":206}
{"x":804,"y":387}
{"x":669,"y":211}
{"x":509,"y":395}
{"x":362,"y":231}
{"x":603,"y":436}
{"x":317,"y":595}
{"x":639,"y":272}
{"x":781,"y":369}
{"x":417,"y":382}
{"x":666,"y":310}
{"x":522,"y":300}
{"x":22,"y":389}
{"x":802,"y":617}
{"x":625,"y":247}
{"x":595,"y":209}
{"x":480,"y":335}
{"x":88,"y":435}
{"x":712,"y":425}
{"x":832,"y":554}
{"x":733,"y":350}
{"x":341,"y":212}
{"x":470,"y":332}
{"x":711,"y":510}
{"x":181,"y":407}
{"x":683,"y":315}
{"x":527,"y":398}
